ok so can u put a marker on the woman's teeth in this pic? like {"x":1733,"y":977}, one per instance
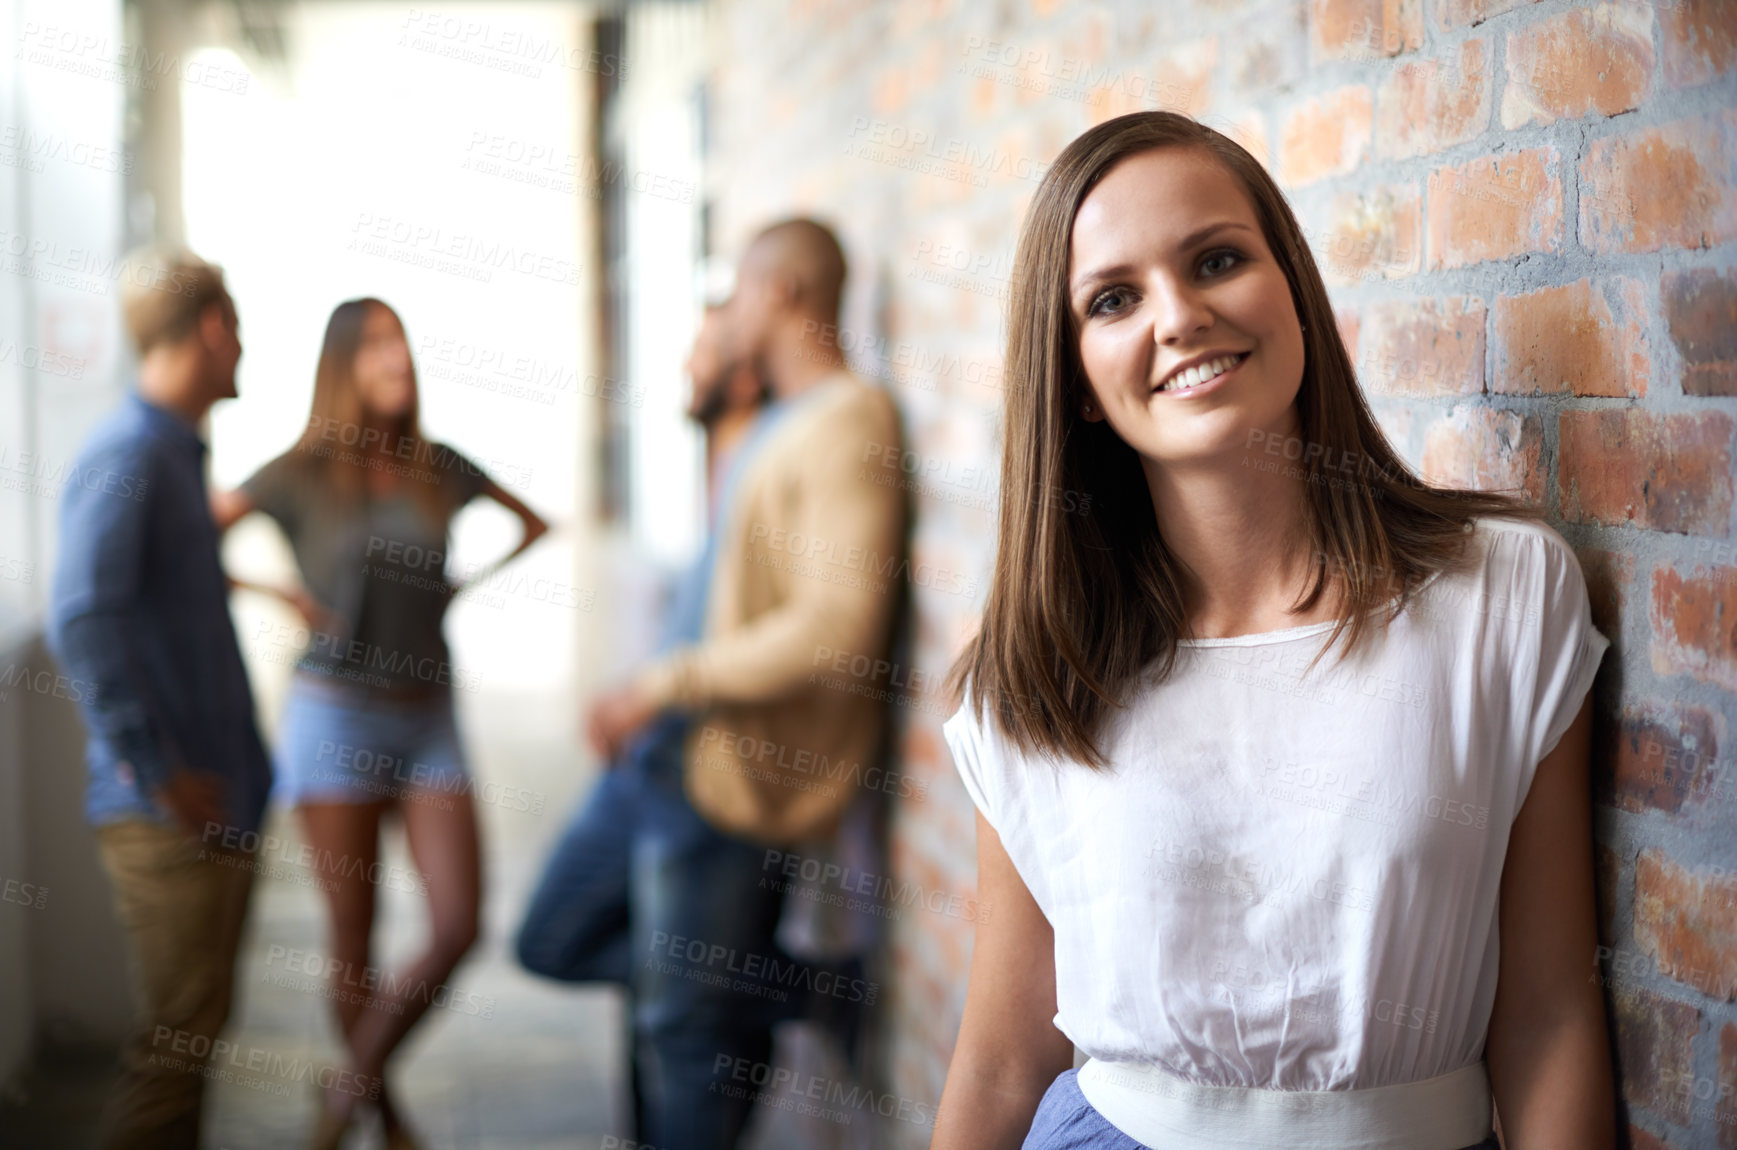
{"x":1195,"y":376}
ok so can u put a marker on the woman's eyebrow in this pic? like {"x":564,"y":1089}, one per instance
{"x":1098,"y":275}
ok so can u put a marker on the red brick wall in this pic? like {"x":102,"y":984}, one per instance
{"x":1526,"y":213}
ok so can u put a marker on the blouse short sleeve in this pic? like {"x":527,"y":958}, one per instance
{"x":965,"y":738}
{"x":1569,"y":647}
{"x":464,"y":476}
{"x":278,"y":489}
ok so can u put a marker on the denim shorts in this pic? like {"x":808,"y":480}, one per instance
{"x":337,"y":745}
{"x":1066,"y":1121}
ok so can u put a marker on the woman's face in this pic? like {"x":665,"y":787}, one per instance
{"x":1150,"y":289}
{"x":383,"y":376}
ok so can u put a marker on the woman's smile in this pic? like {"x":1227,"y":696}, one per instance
{"x":1188,"y":384}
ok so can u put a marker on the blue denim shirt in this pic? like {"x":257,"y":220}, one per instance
{"x":140,"y":612}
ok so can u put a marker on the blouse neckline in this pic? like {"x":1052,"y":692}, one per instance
{"x":1287,"y":634}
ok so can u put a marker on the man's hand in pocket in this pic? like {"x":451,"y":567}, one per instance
{"x":195,"y":799}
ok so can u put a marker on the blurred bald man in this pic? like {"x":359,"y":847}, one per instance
{"x":810,"y":566}
{"x":595,"y":907}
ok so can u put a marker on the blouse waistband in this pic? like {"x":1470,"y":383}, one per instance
{"x":1161,"y":1111}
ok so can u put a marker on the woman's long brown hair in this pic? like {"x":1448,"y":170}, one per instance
{"x":338,"y":406}
{"x":1081,"y":604}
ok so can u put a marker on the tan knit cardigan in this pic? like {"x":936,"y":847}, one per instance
{"x":810,"y":566}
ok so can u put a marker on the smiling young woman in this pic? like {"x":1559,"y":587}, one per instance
{"x":1275,"y":900}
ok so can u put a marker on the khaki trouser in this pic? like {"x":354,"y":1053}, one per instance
{"x":181,"y":906}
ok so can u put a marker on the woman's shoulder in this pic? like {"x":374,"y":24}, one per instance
{"x":982,"y":731}
{"x":966,"y":723}
{"x":976,"y":714}
{"x":1519,"y":570}
{"x":453,"y":464}
{"x":1540,"y":532}
{"x":1516,"y":546}
{"x":288,"y":474}
{"x":988,"y":763}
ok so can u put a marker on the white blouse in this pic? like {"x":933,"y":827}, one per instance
{"x":1290,"y":883}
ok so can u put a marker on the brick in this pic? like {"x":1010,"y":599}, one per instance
{"x":1178,"y":80}
{"x":986,"y":97}
{"x":1688,"y":923}
{"x":1566,"y":339}
{"x":1692,"y":624}
{"x":1454,"y":14}
{"x":1430,"y":106}
{"x":1698,"y":39}
{"x":1350,"y":325}
{"x":1486,"y":449}
{"x":1494,"y":208}
{"x":1108,"y":101}
{"x":1248,"y":128}
{"x":1327,"y":136}
{"x":1424,"y":347}
{"x":1607,"y":879}
{"x":1660,"y":187}
{"x":1654,"y":1045}
{"x":1585,"y":61}
{"x":1657,"y":472}
{"x":1639,"y":1139}
{"x":1609,"y":575}
{"x":1182,"y":81}
{"x":923,"y":744}
{"x":1364,"y":29}
{"x":1010,"y":159}
{"x":929,"y":70}
{"x":1372,"y":233}
{"x":892,"y":91}
{"x":1035,"y":79}
{"x":1398,"y":419}
{"x":1700,"y":307}
{"x":1659,"y":757}
{"x":1272,"y":53}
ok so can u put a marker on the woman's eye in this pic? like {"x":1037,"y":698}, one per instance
{"x":1226,"y":254}
{"x":1102,"y":296}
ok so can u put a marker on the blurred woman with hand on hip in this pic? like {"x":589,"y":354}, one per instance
{"x":369,"y":726}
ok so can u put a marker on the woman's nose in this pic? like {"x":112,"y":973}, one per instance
{"x":1178,"y":312}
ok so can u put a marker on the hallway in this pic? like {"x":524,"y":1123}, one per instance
{"x":506,"y":1061}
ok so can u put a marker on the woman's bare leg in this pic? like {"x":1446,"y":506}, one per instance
{"x":345,"y":838}
{"x":445,"y":845}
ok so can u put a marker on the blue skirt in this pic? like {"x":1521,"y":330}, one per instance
{"x":1066,"y":1121}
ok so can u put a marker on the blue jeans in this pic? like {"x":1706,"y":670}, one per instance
{"x":643,"y":891}
{"x":1066,"y":1121}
